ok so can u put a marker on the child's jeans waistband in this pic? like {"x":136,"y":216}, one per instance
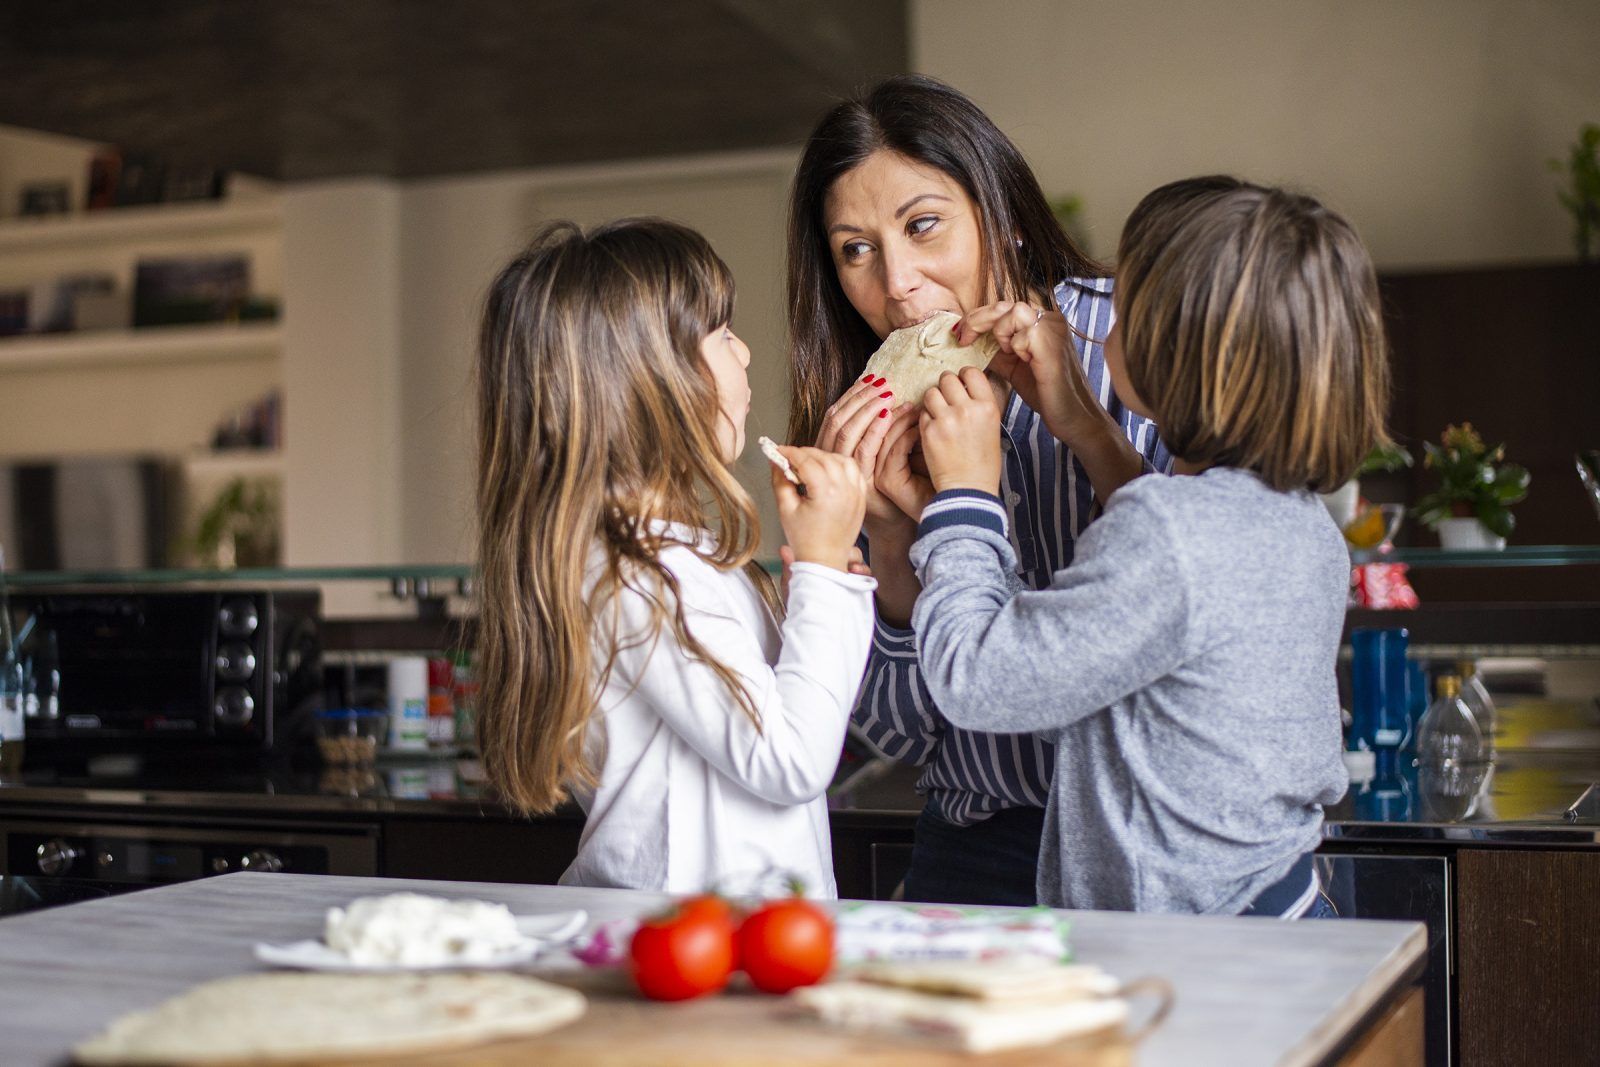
{"x":1289,"y":896}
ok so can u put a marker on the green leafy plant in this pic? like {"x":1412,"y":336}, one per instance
{"x":1474,"y":481}
{"x":1581,"y":197}
{"x":1068,"y":211}
{"x":1385,"y":456}
{"x":240,"y":526}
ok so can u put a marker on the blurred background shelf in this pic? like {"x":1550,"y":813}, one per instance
{"x":147,"y":345}
{"x":161,"y":222}
{"x":1510,"y":556}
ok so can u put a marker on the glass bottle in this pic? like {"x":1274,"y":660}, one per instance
{"x":1475,"y":695}
{"x":1451,"y":761}
{"x":1449,"y":735}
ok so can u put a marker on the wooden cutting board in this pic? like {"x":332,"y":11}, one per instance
{"x":620,"y":1029}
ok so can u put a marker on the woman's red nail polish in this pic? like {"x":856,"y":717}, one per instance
{"x":868,"y":378}
{"x":886,"y":394}
{"x":883,"y":413}
{"x":880,"y":381}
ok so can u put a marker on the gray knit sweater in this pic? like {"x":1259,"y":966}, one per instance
{"x":1184,"y":667}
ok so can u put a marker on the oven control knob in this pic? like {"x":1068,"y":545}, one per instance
{"x":234,"y":706}
{"x":56,"y":856}
{"x":235,"y":661}
{"x":261,"y":859}
{"x":238,"y":617}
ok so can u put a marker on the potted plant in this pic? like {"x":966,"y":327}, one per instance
{"x":240,"y":526}
{"x":1344,"y":503}
{"x":1582,"y":195}
{"x":1472,"y":506}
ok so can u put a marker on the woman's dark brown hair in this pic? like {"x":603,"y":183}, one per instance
{"x":1025,"y":251}
{"x":1251,"y":328}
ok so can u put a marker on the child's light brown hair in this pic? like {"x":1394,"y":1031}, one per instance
{"x":597,"y":420}
{"x":1251,"y":328}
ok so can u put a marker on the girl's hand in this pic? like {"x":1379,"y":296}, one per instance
{"x":895,"y":476}
{"x":856,"y":426}
{"x":822,"y":525}
{"x":1038,"y":358}
{"x":961,"y":433}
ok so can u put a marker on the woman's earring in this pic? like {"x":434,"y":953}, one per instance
{"x":1017,"y":241}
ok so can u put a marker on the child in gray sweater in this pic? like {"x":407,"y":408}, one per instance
{"x":1183,"y":664}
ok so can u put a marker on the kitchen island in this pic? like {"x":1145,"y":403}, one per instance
{"x":1248,"y":991}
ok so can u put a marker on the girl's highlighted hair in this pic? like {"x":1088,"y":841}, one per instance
{"x":597,"y":417}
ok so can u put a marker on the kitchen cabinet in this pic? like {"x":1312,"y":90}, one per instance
{"x":1530,"y":950}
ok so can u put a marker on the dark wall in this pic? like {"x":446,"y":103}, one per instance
{"x":1516,"y":352}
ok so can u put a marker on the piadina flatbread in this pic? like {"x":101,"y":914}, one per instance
{"x":285,"y":1017}
{"x":769,"y":448}
{"x":976,"y":1005}
{"x":913,"y":357}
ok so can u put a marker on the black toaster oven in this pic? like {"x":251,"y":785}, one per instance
{"x":150,"y":669}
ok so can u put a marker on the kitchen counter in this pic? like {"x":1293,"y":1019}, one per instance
{"x":1248,"y":991}
{"x":1523,"y":801}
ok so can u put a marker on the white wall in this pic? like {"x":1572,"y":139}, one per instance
{"x":459,"y":232}
{"x":341,"y":375}
{"x":1427,"y":122}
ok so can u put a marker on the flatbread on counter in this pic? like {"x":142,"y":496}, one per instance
{"x":267,"y":1018}
{"x":1026,"y":978}
{"x":968,"y":1023}
{"x":913,"y":357}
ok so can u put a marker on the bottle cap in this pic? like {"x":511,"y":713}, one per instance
{"x":1361,"y":765}
{"x":1449,"y":686}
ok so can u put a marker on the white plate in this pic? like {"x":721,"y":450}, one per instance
{"x":539,"y":933}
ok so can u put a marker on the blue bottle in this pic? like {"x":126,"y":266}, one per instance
{"x":1378,"y":690}
{"x":1389,"y":797}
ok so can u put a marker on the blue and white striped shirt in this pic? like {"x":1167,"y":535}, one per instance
{"x":1046,"y":491}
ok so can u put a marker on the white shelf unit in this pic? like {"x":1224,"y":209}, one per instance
{"x":162,"y":222}
{"x":149,"y":345}
{"x":156,"y":390}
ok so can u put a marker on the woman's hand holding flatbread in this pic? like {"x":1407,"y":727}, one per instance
{"x":895,"y":477}
{"x":1038,"y":358}
{"x":856,"y":426}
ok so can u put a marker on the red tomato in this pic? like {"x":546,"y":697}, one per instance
{"x":786,"y":944}
{"x":685,"y":952}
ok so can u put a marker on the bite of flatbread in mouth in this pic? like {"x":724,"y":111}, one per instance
{"x":912,"y":358}
{"x":769,"y":448}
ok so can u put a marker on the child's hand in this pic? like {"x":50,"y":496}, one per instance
{"x":961,"y":433}
{"x":1039,"y":360}
{"x":822,"y":525}
{"x":895,"y":477}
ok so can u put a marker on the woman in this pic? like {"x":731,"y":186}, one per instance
{"x":907,"y":201}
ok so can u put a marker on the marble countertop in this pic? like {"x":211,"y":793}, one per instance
{"x":1248,"y":991}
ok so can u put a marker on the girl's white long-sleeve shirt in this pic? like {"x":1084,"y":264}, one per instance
{"x":692,"y":796}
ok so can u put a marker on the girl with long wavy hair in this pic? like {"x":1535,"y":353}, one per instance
{"x":632,"y":652}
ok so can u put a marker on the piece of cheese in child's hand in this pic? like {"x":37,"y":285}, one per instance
{"x":769,"y":448}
